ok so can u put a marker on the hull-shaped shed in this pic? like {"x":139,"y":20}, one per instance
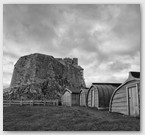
{"x":99,"y":94}
{"x":126,"y":98}
{"x":71,"y":97}
{"x":83,"y":96}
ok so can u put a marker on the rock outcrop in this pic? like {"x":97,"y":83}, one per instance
{"x":39,"y":76}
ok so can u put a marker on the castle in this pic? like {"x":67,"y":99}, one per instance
{"x":38,"y":76}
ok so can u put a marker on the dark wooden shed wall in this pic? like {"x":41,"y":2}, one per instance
{"x":75,"y":99}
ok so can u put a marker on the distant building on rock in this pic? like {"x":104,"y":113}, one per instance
{"x":42,"y":76}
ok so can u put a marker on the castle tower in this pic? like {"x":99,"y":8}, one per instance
{"x":75,"y":61}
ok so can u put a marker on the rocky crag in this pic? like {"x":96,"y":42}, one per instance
{"x":39,"y":76}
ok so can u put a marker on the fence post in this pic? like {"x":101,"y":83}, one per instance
{"x":9,"y":102}
{"x":21,"y":102}
{"x":32,"y":102}
{"x":57,"y":102}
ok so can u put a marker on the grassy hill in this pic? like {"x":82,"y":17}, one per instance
{"x":52,"y":118}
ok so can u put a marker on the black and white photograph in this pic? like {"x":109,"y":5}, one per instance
{"x":71,"y":67}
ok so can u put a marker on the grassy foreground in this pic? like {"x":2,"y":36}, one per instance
{"x":52,"y":118}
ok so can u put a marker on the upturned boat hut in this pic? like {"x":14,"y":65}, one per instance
{"x":99,"y":94}
{"x":126,"y":98}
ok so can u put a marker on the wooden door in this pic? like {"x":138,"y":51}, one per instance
{"x":82,"y":99}
{"x":96,"y":98}
{"x":67,"y":98}
{"x":75,"y":99}
{"x":89,"y":99}
{"x":133,"y":101}
{"x":93,"y":98}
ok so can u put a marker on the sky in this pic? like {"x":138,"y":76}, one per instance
{"x":106,"y":39}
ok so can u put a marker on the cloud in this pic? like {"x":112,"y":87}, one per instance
{"x":119,"y":66}
{"x":105,"y":38}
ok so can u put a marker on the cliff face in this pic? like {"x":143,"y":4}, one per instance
{"x":39,"y":76}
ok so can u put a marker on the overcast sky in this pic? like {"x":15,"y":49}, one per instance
{"x":105,"y":38}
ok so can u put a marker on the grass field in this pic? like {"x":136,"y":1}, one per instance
{"x":52,"y":118}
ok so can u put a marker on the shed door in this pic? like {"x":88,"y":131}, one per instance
{"x":82,"y":99}
{"x":93,"y":98}
{"x":75,"y":99}
{"x":67,"y":98}
{"x":133,"y":101}
{"x":89,"y":99}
